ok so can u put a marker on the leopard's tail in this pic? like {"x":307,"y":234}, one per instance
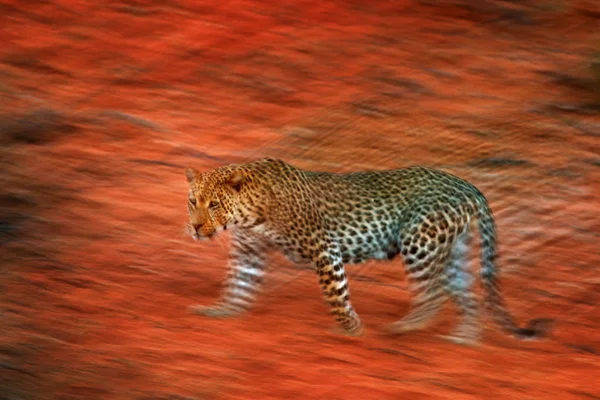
{"x":492,"y":297}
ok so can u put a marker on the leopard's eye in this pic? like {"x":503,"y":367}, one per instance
{"x":192,"y":201}
{"x":213,"y":204}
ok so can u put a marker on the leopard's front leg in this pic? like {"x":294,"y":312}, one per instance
{"x":244,"y":278}
{"x":334,"y":284}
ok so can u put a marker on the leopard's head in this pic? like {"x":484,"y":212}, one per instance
{"x":213,"y":200}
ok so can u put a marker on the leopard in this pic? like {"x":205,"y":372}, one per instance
{"x":328,"y":220}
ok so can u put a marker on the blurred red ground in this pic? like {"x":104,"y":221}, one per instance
{"x":103,"y":103}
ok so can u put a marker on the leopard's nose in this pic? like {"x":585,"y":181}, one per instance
{"x":196,"y":227}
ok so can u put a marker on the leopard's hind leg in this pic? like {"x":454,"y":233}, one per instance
{"x":459,"y":286}
{"x":424,"y":257}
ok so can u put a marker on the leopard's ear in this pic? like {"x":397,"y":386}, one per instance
{"x":191,"y":174}
{"x":236,"y":180}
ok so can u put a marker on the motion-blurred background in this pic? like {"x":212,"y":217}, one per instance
{"x":102,"y":105}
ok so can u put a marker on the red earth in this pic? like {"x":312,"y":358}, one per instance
{"x":104,"y":103}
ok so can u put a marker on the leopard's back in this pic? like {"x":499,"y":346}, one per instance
{"x":365,"y":212}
